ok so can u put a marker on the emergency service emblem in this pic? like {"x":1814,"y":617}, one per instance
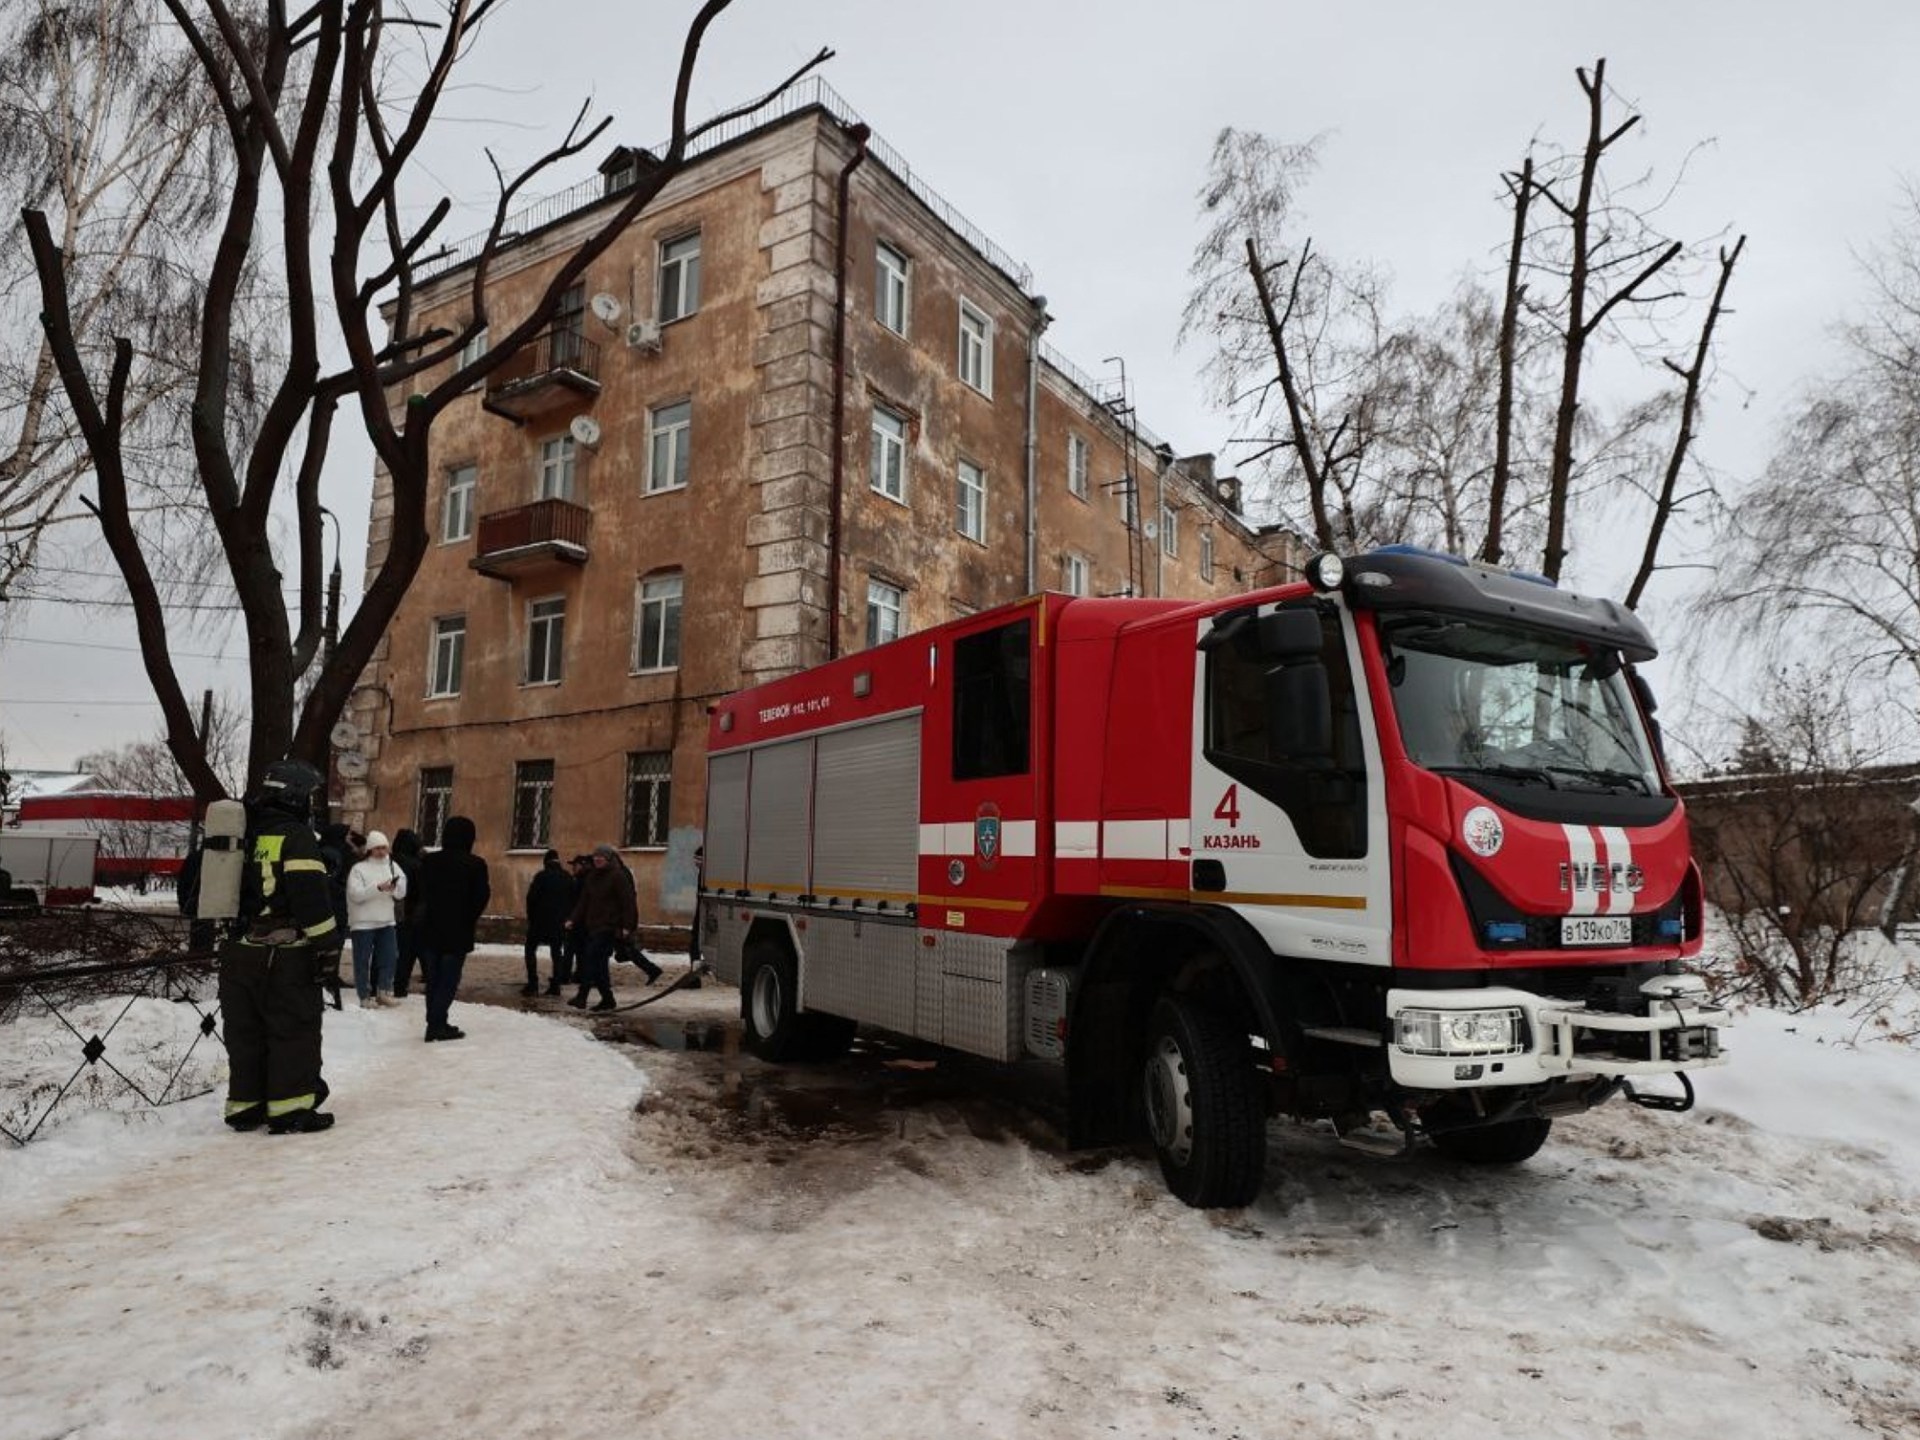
{"x":986,"y":834}
{"x":1483,"y":832}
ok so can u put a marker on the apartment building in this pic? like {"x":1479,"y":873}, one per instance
{"x":678,"y":491}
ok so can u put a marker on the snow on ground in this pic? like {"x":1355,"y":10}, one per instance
{"x":534,"y":1232}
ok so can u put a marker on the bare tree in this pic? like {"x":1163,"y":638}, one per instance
{"x":109,"y":134}
{"x":1449,"y":429}
{"x":1805,"y":842}
{"x":1828,"y":540}
{"x":319,"y":159}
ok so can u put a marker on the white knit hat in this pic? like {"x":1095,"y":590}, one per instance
{"x":376,"y":841}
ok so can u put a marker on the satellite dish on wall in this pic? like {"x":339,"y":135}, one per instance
{"x":352,"y":765}
{"x":343,"y":736}
{"x":606,"y":308}
{"x":585,"y":431}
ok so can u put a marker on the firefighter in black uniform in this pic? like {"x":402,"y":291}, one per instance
{"x":270,"y":973}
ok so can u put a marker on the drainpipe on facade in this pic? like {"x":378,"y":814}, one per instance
{"x":859,"y":134}
{"x":1165,"y":456}
{"x":1040,"y":322}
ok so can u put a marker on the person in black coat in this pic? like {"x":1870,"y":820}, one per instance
{"x":406,"y":854}
{"x":339,"y":849}
{"x":453,"y":896}
{"x":549,"y":902}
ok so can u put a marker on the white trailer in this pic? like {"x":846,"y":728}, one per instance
{"x":57,"y":868}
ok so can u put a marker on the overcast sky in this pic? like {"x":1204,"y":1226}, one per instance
{"x":1076,"y":136}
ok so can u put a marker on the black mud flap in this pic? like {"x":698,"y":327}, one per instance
{"x":1676,"y":1103}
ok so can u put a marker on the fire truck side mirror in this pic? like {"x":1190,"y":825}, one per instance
{"x":1299,"y":713}
{"x":1290,"y":635}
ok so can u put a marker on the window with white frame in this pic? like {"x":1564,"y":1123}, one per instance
{"x":1169,"y":531}
{"x":1076,"y":575}
{"x":556,"y":468}
{"x":1077,"y":466}
{"x":886,"y":612}
{"x":679,"y":277}
{"x":436,"y":803}
{"x":976,"y":349}
{"x":890,"y":288}
{"x":970,"y":502}
{"x":649,"y":799}
{"x":456,"y":516}
{"x":669,"y":446}
{"x":1206,"y":556}
{"x":473,"y":349}
{"x":546,"y":638}
{"x":532,"y":805}
{"x":449,"y":655}
{"x":889,"y":461}
{"x":656,"y":630}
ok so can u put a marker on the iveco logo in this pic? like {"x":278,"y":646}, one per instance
{"x":1600,"y":878}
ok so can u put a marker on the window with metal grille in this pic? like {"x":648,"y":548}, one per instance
{"x":532,"y":805}
{"x":649,"y":798}
{"x":435,"y":804}
{"x":1206,"y":556}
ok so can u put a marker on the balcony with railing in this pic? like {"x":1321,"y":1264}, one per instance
{"x":561,"y":367}
{"x":530,"y":539}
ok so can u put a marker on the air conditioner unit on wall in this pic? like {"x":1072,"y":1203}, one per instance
{"x":644,"y":335}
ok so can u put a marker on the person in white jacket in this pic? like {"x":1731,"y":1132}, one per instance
{"x":373,"y":887}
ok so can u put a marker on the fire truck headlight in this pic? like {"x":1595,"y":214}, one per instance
{"x":1461,"y":1032}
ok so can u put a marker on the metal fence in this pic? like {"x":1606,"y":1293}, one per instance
{"x":76,"y":966}
{"x":811,"y":93}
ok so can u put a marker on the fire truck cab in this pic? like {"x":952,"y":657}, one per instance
{"x":1393,"y":847}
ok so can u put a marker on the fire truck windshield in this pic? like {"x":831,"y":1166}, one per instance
{"x":1525,"y":706}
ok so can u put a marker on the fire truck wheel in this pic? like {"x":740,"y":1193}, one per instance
{"x":769,"y":1003}
{"x":1203,"y":1110}
{"x":1507,"y":1143}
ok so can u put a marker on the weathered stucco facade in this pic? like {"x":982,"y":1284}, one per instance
{"x":596,"y":733}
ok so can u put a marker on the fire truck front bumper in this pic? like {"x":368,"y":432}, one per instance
{"x":1467,"y":1039}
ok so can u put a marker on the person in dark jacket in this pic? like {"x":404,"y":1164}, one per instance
{"x":406,"y":854}
{"x":549,"y":902}
{"x":340,"y":850}
{"x":606,"y":914}
{"x":573,"y":949}
{"x":271,"y":972}
{"x":453,"y":896}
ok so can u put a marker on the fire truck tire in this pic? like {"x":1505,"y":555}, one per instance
{"x":1204,"y":1112}
{"x":770,"y":1003}
{"x":1507,"y":1143}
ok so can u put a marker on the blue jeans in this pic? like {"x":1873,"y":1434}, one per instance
{"x":374,"y":950}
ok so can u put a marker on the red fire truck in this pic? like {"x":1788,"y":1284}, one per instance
{"x":1392,"y":847}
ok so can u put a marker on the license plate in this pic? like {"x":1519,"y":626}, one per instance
{"x":1596,"y":930}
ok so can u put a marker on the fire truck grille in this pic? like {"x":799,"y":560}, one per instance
{"x":1499,"y":926}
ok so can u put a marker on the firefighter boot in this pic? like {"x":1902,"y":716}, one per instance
{"x":299,"y":1122}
